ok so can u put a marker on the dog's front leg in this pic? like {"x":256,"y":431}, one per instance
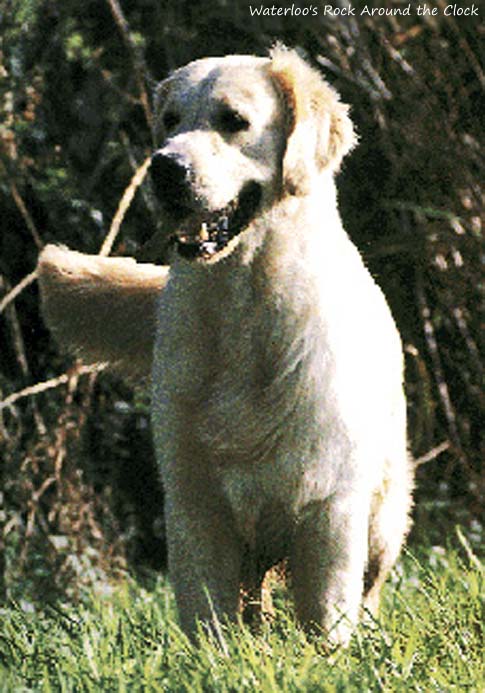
{"x":204,"y":556}
{"x":327,"y":565}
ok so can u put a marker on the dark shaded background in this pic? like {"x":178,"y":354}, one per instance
{"x":79,"y":496}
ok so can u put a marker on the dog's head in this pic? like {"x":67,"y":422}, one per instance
{"x":238,"y":133}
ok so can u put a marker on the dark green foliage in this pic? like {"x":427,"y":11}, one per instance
{"x":75,"y":123}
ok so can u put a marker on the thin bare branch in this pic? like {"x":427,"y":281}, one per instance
{"x":432,"y":345}
{"x":50,"y":384}
{"x":5,"y":169}
{"x":16,"y":333}
{"x":123,"y":207}
{"x":459,"y":315}
{"x":432,"y":454}
{"x":20,"y":352}
{"x":141,"y":71}
{"x":465,"y":46}
{"x":26,"y":215}
{"x":145,"y":191}
{"x":13,"y":293}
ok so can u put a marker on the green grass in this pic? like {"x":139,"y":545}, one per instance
{"x":429,"y":638}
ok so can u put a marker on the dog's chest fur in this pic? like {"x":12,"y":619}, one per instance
{"x":268,"y":366}
{"x":250,"y":376}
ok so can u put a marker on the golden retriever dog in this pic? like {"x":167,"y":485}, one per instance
{"x":278,"y":411}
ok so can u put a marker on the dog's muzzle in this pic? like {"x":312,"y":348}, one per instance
{"x":201,"y":233}
{"x":172,"y":185}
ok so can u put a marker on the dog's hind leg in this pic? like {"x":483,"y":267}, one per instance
{"x":388,"y":526}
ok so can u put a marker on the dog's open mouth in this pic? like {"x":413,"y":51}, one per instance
{"x":204,"y":234}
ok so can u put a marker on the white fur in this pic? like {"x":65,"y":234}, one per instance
{"x":278,"y":394}
{"x":278,"y":409}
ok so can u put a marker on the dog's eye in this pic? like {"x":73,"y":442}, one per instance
{"x":231,"y":121}
{"x":170,"y":120}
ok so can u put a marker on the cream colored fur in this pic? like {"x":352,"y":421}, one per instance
{"x":103,"y":308}
{"x":278,"y":409}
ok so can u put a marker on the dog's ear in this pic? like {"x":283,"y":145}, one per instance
{"x":320,"y":132}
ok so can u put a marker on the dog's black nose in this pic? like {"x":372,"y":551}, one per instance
{"x":171,"y":182}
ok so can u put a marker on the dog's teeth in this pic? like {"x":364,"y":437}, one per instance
{"x":207,"y":237}
{"x":204,"y":233}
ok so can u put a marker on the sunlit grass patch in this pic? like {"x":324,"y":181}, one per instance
{"x":429,"y":637}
